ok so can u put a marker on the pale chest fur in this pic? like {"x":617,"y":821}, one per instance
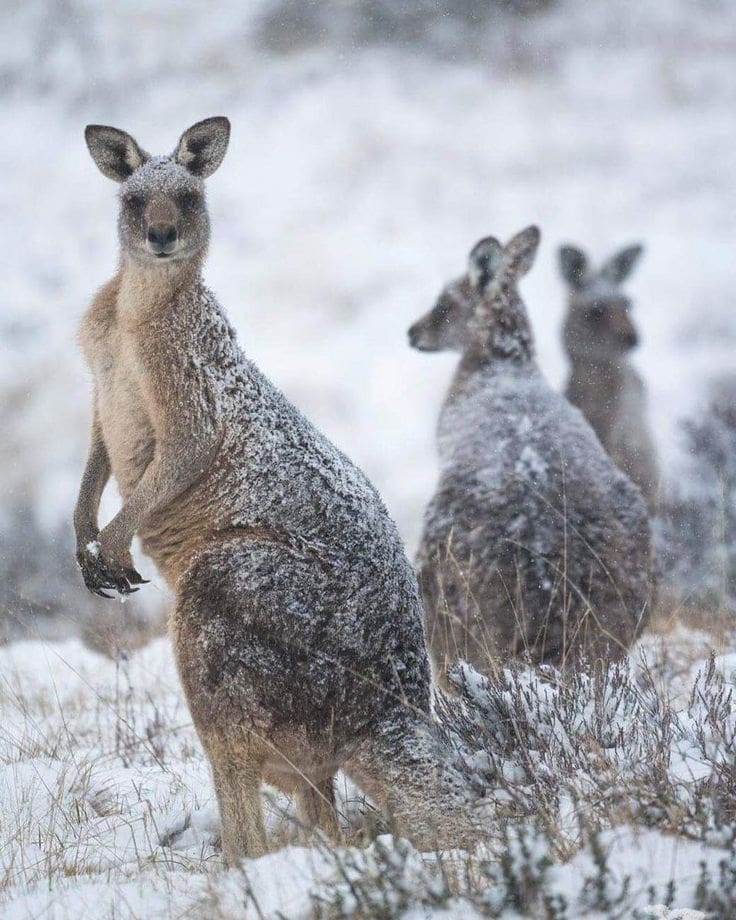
{"x":124,"y":419}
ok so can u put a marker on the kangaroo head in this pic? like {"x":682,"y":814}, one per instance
{"x":482,"y":309}
{"x":163,"y":214}
{"x":598,"y":324}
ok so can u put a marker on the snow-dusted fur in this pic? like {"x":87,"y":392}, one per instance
{"x":297,"y":626}
{"x":533,"y":542}
{"x":598,"y":336}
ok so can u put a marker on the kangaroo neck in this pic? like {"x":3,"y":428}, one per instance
{"x":146,"y":289}
{"x":475,"y":362}
{"x":604,"y":372}
{"x":596,"y":388}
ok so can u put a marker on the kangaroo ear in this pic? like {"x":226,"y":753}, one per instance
{"x":521,"y":250}
{"x":115,"y":152}
{"x":202,"y":147}
{"x":573,"y":265}
{"x":484,"y":261}
{"x":619,"y":267}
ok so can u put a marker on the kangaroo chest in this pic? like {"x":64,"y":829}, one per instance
{"x":124,"y":418}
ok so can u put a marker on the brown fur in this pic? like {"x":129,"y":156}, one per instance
{"x":598,"y":335}
{"x":297,"y":625}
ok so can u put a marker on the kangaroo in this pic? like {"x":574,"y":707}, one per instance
{"x":534,"y":543}
{"x":598,"y":336}
{"x":297,"y":626}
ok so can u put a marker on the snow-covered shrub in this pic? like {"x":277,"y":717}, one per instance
{"x":576,"y":754}
{"x":699,"y":519}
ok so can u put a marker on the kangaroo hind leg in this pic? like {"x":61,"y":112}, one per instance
{"x":237,"y":775}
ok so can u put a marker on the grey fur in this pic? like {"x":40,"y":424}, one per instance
{"x":298,"y":626}
{"x":533,"y":542}
{"x":598,"y":335}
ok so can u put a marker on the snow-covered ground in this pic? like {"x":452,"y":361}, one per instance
{"x":107,"y":810}
{"x":357,"y":180}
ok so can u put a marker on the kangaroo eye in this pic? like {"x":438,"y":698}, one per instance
{"x":188,"y":200}
{"x":134,"y":201}
{"x":595,"y":313}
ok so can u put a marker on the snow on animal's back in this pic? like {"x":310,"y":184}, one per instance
{"x":506,"y":425}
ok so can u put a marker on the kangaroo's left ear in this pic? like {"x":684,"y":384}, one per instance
{"x":573,"y":265}
{"x":618,"y":268}
{"x":202,"y":147}
{"x":115,"y":152}
{"x":520,"y":251}
{"x":484,"y":261}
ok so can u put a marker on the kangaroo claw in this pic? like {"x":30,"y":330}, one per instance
{"x":99,"y":574}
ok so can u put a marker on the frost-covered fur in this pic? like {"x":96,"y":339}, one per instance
{"x":533,"y":542}
{"x":598,"y":336}
{"x":298,"y":625}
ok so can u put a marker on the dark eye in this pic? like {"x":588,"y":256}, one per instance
{"x":134,"y":201}
{"x":188,"y":200}
{"x":595,"y":313}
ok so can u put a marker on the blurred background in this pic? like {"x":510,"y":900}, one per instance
{"x":373,"y":143}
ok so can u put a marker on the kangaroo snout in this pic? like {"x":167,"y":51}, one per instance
{"x":415,"y":334}
{"x":162,"y":238}
{"x":631,"y":339}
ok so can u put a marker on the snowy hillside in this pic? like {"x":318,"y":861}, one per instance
{"x":361,"y":171}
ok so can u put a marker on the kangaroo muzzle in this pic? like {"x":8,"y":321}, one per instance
{"x":162,"y":239}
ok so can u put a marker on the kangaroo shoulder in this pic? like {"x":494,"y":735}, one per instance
{"x":99,"y":318}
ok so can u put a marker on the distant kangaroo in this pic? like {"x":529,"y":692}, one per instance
{"x":598,"y":336}
{"x":297,"y":626}
{"x":534,"y":543}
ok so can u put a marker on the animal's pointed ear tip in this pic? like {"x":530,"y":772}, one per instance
{"x":220,"y":121}
{"x":533,"y":232}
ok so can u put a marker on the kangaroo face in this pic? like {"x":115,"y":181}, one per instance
{"x":163,"y":216}
{"x":447,"y":326}
{"x":598,"y":326}
{"x":482,"y":309}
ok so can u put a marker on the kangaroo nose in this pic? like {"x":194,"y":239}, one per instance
{"x":415,"y":335}
{"x":632,"y":339}
{"x":162,"y":239}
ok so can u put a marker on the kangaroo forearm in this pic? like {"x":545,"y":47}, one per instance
{"x":94,"y":479}
{"x":166,"y":477}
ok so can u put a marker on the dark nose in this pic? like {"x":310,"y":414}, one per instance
{"x":631,"y":339}
{"x":415,"y":334}
{"x":162,"y":239}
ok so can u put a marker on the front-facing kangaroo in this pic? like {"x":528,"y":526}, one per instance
{"x":297,"y":625}
{"x":603,"y":384}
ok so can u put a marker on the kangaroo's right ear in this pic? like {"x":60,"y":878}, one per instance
{"x":484,"y":261}
{"x":573,"y":265}
{"x":202,"y":147}
{"x":618,"y":268}
{"x":115,"y":152}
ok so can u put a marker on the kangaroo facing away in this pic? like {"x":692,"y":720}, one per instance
{"x":598,"y":336}
{"x":297,"y":625}
{"x":534,"y":543}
